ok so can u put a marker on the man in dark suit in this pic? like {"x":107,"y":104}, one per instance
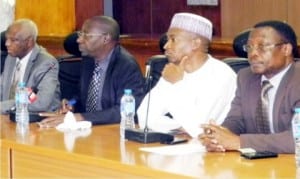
{"x":271,"y":48}
{"x":37,"y":68}
{"x":99,"y":42}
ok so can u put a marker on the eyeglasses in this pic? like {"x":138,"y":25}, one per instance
{"x":85,"y":35}
{"x":261,"y":48}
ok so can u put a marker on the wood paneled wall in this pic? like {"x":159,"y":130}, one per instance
{"x":239,"y":15}
{"x":58,"y":18}
{"x":154,"y":16}
{"x":53,"y":17}
{"x":85,"y":9}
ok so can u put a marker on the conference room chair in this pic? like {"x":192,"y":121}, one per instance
{"x":156,"y":64}
{"x":70,"y":67}
{"x":3,"y":51}
{"x":236,"y":63}
{"x":239,"y":40}
{"x":241,"y":61}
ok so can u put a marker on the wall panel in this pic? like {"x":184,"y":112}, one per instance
{"x":53,"y":17}
{"x":153,"y":16}
{"x":239,"y":15}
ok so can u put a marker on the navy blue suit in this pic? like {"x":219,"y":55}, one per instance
{"x":122,"y":72}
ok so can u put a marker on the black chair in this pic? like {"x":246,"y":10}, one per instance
{"x":237,"y":63}
{"x":241,"y":61}
{"x":239,"y":41}
{"x":70,"y":67}
{"x":3,"y":51}
{"x":156,"y":64}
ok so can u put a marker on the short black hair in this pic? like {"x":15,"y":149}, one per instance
{"x":285,"y":31}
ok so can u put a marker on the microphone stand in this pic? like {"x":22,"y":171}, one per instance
{"x":147,"y":136}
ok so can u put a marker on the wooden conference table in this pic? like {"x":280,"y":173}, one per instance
{"x":98,"y":153}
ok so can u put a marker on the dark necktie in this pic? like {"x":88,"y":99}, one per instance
{"x":262,"y":110}
{"x":94,"y":91}
{"x":16,"y":80}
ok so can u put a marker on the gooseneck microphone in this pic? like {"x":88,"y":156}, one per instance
{"x":146,"y":136}
{"x":34,"y":89}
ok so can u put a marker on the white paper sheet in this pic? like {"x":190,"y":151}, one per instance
{"x":178,"y":149}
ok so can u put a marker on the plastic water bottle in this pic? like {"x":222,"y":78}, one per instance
{"x":296,"y":134}
{"x":127,"y":110}
{"x":21,"y":101}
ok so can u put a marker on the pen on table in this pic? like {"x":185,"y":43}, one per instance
{"x":72,"y":102}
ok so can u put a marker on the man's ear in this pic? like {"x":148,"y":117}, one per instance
{"x":196,"y":43}
{"x":106,"y":39}
{"x":288,"y":50}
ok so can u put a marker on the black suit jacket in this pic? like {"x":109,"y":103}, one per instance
{"x":122,"y":72}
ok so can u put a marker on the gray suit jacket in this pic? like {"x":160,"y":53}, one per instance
{"x":48,"y":96}
{"x":241,"y":117}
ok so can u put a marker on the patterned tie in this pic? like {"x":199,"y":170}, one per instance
{"x":262,"y":110}
{"x":95,"y":90}
{"x":16,"y":79}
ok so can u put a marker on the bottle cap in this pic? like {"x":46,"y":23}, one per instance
{"x":127,"y":91}
{"x":21,"y":84}
{"x":297,"y":110}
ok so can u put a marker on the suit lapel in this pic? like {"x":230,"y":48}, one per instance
{"x":31,"y":62}
{"x":254,"y":94}
{"x":280,"y":94}
{"x":7,"y":80}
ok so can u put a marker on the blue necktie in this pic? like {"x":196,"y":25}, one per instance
{"x":95,"y":88}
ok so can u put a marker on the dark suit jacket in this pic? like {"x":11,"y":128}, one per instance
{"x":122,"y":72}
{"x":241,"y":117}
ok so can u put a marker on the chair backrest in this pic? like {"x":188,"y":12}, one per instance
{"x":157,"y":64}
{"x":238,"y":42}
{"x":70,"y":67}
{"x":3,"y":51}
{"x":236,"y":63}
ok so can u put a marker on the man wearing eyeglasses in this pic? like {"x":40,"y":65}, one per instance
{"x":30,"y":63}
{"x":271,"y":49}
{"x":107,"y":69}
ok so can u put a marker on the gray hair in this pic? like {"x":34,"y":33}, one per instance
{"x":29,"y":27}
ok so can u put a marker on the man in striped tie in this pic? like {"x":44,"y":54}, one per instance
{"x":107,"y":69}
{"x":259,"y":118}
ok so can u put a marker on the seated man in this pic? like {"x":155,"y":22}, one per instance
{"x":28,"y":62}
{"x":194,"y":87}
{"x":262,"y":120}
{"x":106,"y":71}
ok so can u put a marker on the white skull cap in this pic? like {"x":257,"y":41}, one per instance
{"x":192,"y":23}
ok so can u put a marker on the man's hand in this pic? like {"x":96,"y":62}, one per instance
{"x":217,"y":138}
{"x":55,"y":120}
{"x":174,"y":73}
{"x":65,"y":107}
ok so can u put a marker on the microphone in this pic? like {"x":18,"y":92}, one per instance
{"x":33,"y":90}
{"x":147,"y":76}
{"x":32,"y":97}
{"x":146,"y":136}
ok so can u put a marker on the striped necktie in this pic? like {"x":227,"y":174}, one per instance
{"x":95,"y":90}
{"x":16,"y":80}
{"x":262,"y":110}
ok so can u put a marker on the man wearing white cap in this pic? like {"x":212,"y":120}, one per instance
{"x":195,"y":87}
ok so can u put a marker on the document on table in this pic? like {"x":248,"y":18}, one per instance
{"x":178,"y":149}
